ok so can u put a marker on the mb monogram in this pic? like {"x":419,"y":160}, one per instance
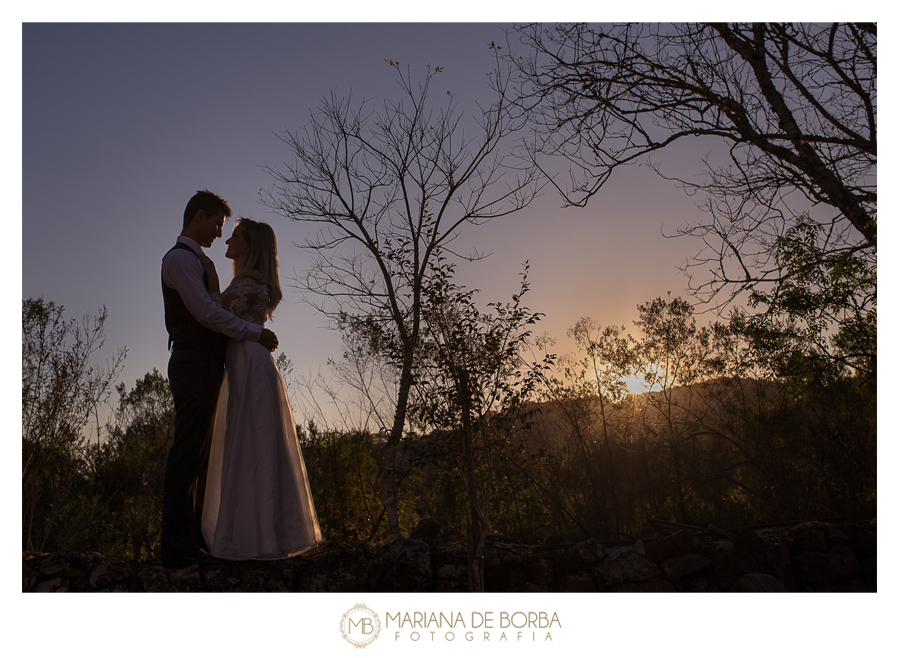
{"x":361,"y":625}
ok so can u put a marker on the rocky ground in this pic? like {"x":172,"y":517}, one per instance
{"x":809,"y":557}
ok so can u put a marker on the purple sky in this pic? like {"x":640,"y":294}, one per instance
{"x":123,"y":122}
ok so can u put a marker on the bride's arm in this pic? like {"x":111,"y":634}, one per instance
{"x":240,"y":295}
{"x":245,"y":297}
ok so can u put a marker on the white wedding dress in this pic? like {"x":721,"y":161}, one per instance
{"x":258,"y":505}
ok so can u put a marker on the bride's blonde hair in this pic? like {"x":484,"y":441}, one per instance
{"x":260,"y":253}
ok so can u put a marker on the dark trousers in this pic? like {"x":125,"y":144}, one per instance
{"x":195,"y":377}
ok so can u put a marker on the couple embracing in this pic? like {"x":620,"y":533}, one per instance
{"x":235,"y":485}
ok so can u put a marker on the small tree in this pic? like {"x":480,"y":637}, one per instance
{"x":386,"y":189}
{"x":129,"y":468}
{"x":673,"y":354}
{"x":609,"y":358}
{"x":61,"y":390}
{"x":477,"y":384}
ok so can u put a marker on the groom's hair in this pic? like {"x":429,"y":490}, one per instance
{"x":209,"y":202}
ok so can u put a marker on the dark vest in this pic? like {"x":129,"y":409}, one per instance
{"x":184,"y":330}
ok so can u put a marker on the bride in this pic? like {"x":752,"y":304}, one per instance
{"x":258,"y":504}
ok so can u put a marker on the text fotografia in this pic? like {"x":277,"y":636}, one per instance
{"x":479,"y":626}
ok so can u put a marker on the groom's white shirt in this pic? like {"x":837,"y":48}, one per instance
{"x":184,"y":273}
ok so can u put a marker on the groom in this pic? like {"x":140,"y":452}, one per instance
{"x":198,"y":331}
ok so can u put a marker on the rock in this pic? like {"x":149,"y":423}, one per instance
{"x":749,"y":544}
{"x":402,"y":566}
{"x":808,"y":536}
{"x":489,"y":561}
{"x":870,"y":571}
{"x":105,"y":574}
{"x":275,"y":576}
{"x":186,"y":579}
{"x":565,"y":561}
{"x":866,"y":545}
{"x":619,"y":551}
{"x":682,"y":565}
{"x":683,"y":541}
{"x":650,"y":586}
{"x":580,"y":582}
{"x":221,"y":579}
{"x":509,"y":577}
{"x":727,"y":562}
{"x":531,"y":587}
{"x":699,"y":585}
{"x":32,"y":561}
{"x":812,"y":568}
{"x":539,"y":571}
{"x":452,"y":572}
{"x":844,"y":562}
{"x":72,"y":565}
{"x":319,"y":582}
{"x":99,"y":576}
{"x":455,"y":554}
{"x":451,"y":586}
{"x":263,"y":580}
{"x":123,"y":586}
{"x":154,"y":579}
{"x":834,"y":535}
{"x":847,"y":564}
{"x":332,"y":576}
{"x":856,"y":586}
{"x":449,"y":563}
{"x":757,"y":582}
{"x":622,"y":568}
{"x":58,"y":584}
{"x":29,"y":578}
{"x":558,"y":586}
{"x":588,"y":551}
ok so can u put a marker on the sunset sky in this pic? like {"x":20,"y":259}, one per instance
{"x":122,"y":123}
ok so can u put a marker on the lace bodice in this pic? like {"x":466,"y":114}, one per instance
{"x":247,"y":297}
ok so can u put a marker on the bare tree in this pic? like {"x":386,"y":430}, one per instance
{"x":795,"y":105}
{"x":385,"y":189}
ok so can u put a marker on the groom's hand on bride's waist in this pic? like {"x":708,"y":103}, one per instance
{"x":268,"y":340}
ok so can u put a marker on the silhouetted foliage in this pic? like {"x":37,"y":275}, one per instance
{"x":707,"y":443}
{"x":713,"y":441}
{"x":475,"y":385}
{"x":129,"y":468}
{"x":62,"y":389}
